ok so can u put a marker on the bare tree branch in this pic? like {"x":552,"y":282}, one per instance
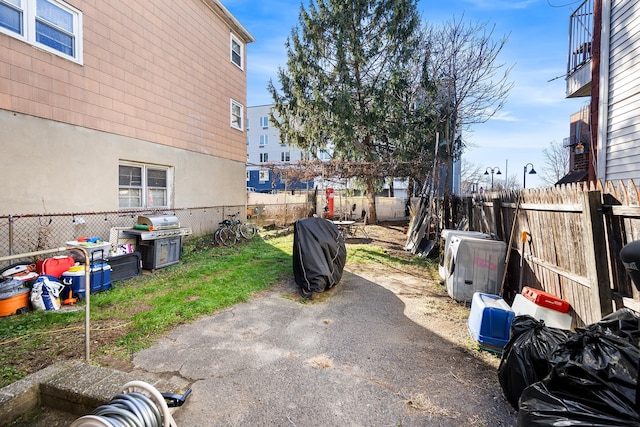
{"x":556,"y":163}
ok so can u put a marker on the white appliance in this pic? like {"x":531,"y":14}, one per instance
{"x":445,"y":242}
{"x":474,"y":264}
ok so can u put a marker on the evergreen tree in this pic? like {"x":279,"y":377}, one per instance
{"x":349,"y":86}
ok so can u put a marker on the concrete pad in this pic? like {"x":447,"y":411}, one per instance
{"x":352,"y":359}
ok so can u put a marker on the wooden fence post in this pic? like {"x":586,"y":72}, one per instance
{"x":497,"y":217}
{"x":595,"y":254}
{"x":446,"y":204}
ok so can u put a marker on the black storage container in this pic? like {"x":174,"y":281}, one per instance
{"x":125,"y":266}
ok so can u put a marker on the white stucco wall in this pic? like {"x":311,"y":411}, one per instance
{"x":52,"y":167}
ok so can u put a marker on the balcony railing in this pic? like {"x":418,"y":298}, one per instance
{"x":580,"y":37}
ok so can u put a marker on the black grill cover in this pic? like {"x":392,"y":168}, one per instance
{"x":319,"y":254}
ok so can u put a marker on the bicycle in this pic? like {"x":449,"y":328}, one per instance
{"x":231,"y":230}
{"x":241,"y":228}
{"x":224,"y":235}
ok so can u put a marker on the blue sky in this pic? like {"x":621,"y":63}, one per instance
{"x":536,"y":111}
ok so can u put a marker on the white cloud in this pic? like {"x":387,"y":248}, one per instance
{"x":505,"y":116}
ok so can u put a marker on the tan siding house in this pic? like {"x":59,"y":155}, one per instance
{"x":107,"y":105}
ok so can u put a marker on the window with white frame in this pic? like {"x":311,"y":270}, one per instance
{"x":264,"y":175}
{"x":264,"y":140}
{"x":264,"y":122}
{"x":143,"y":186}
{"x":237,"y":112}
{"x":237,"y":49}
{"x":264,"y":157}
{"x":285,"y":156}
{"x":51,"y":25}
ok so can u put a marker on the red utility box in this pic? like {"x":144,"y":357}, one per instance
{"x":330,"y":200}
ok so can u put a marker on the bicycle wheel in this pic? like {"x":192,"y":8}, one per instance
{"x":216,"y":237}
{"x":247,"y":231}
{"x":228,"y":237}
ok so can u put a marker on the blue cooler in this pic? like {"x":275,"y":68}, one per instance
{"x":490,"y":321}
{"x":99,"y":280}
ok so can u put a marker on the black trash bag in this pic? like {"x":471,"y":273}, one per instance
{"x":624,"y":323}
{"x":542,"y":406}
{"x":319,"y":255}
{"x":525,"y":358}
{"x":594,"y":381}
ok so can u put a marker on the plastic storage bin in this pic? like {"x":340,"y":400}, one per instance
{"x":97,"y":251}
{"x":14,"y":302}
{"x":99,"y":280}
{"x":552,"y":318}
{"x":490,"y":321}
{"x":125,"y":266}
{"x":545,"y":299}
{"x":445,"y":241}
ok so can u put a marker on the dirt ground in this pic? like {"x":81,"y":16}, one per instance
{"x":385,"y":347}
{"x":429,"y":305}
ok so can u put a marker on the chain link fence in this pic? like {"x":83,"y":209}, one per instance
{"x":35,"y":232}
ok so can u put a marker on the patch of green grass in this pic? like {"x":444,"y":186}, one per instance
{"x":203,"y":283}
{"x":10,"y":374}
{"x":142,"y":309}
{"x":148,"y":306}
{"x":364,"y":254}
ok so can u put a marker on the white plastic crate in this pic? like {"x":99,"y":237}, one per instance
{"x":552,"y":318}
{"x":96,"y":251}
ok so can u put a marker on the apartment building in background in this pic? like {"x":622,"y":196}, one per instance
{"x":266,"y":150}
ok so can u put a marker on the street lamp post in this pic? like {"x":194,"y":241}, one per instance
{"x":524,"y":176}
{"x":493,"y":170}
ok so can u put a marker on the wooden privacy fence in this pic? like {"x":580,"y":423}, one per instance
{"x":575,"y":234}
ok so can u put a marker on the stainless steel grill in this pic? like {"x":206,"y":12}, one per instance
{"x":159,"y":240}
{"x":158,"y":227}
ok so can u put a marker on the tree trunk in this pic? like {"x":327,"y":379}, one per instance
{"x":371,"y":197}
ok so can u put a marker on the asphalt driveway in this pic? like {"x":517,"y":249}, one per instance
{"x":378,"y":350}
